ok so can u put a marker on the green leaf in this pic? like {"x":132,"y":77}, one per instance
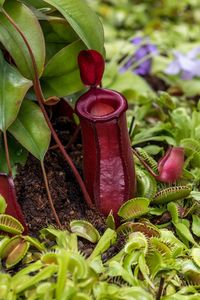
{"x":195,"y":253}
{"x":18,"y":155}
{"x":83,"y":20}
{"x":145,"y":270}
{"x":61,"y":75}
{"x":108,"y":238}
{"x":196,"y":225}
{"x":31,"y":130}
{"x":85,"y":230}
{"x":10,"y":224}
{"x":124,"y":84}
{"x":184,"y":232}
{"x":2,"y":2}
{"x":36,"y":3}
{"x":58,"y":34}
{"x":134,"y":208}
{"x":173,"y":210}
{"x":182,"y":123}
{"x":110,"y":221}
{"x":14,"y":43}
{"x":58,"y":30}
{"x":3,"y":204}
{"x":189,"y":87}
{"x":13,"y":87}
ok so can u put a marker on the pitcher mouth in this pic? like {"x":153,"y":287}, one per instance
{"x":99,"y":105}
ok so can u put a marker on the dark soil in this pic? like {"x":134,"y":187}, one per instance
{"x":68,"y":199}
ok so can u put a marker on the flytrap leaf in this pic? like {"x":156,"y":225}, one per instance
{"x":148,"y":159}
{"x":136,"y":241}
{"x":2,"y":204}
{"x":184,"y":233}
{"x":192,"y":149}
{"x":195,"y":253}
{"x":83,"y":20}
{"x":146,"y":184}
{"x":13,"y":88}
{"x":192,"y":272}
{"x":14,"y":251}
{"x":196,"y":225}
{"x":10,"y":225}
{"x":171,"y":194}
{"x":14,"y":43}
{"x":110,"y":221}
{"x":85,"y":229}
{"x":31,"y":130}
{"x":7,"y":190}
{"x":61,"y":75}
{"x":108,"y":238}
{"x":147,"y":228}
{"x":173,"y":210}
{"x":34,"y":243}
{"x":134,"y":208}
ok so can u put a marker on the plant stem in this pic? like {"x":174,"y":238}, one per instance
{"x":41,"y":101}
{"x":49,"y":195}
{"x":71,"y":141}
{"x":39,"y":96}
{"x":160,"y":290}
{"x":7,"y":153}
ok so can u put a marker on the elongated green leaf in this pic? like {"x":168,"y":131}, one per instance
{"x":61,"y":75}
{"x":185,"y":232}
{"x":2,"y":204}
{"x":64,"y":61}
{"x":13,"y":87}
{"x":13,"y":42}
{"x":62,"y":86}
{"x":83,"y":20}
{"x":18,"y":155}
{"x":36,"y":3}
{"x":196,"y":225}
{"x":31,"y":130}
{"x":58,"y":34}
{"x":2,"y":2}
{"x":58,"y":30}
{"x":107,"y":239}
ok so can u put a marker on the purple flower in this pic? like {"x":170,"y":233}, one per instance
{"x":140,"y":62}
{"x":187,"y":65}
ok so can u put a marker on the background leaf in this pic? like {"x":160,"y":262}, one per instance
{"x":83,"y":20}
{"x":13,"y":42}
{"x":57,"y":33}
{"x":13,"y":87}
{"x":31,"y":130}
{"x":18,"y":155}
{"x":130,"y":84}
{"x":61,"y":75}
{"x":36,"y":3}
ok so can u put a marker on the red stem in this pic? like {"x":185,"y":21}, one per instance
{"x":41,"y":100}
{"x":49,"y":196}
